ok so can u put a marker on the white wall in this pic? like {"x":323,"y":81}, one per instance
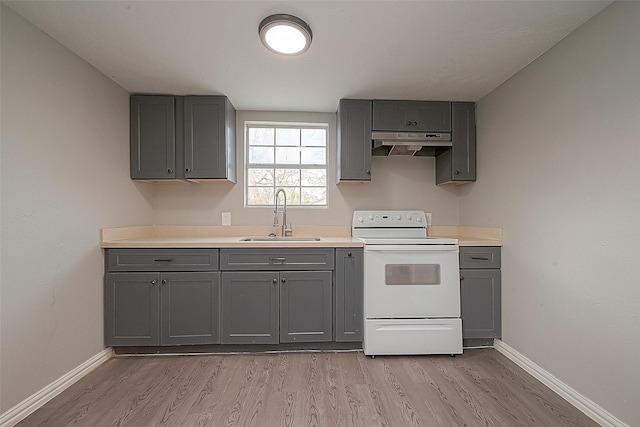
{"x":65,"y":175}
{"x":397,"y":182}
{"x":559,"y":169}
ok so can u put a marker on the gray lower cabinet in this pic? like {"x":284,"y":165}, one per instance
{"x":250,"y":307}
{"x":349,"y":289}
{"x":270,"y":307}
{"x":161,"y":297}
{"x":457,"y":165}
{"x":272,"y":296}
{"x":306,"y":306}
{"x":354,"y":140}
{"x":480,"y":292}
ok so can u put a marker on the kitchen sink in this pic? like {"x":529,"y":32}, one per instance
{"x":280,"y":239}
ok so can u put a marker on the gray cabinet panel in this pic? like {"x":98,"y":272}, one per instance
{"x":209,"y":124}
{"x":458,"y":163}
{"x":480,"y":296}
{"x":190,"y":308}
{"x":250,"y":307}
{"x":480,"y":257}
{"x":276,"y":259}
{"x":131,"y":315}
{"x":153,"y":144}
{"x":354,"y":140}
{"x":306,"y":306}
{"x":349,"y":298}
{"x":162,"y":259}
{"x":412,"y":116}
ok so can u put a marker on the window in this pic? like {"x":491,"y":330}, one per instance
{"x":290,"y":156}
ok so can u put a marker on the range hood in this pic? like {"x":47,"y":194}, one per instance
{"x":409,"y":143}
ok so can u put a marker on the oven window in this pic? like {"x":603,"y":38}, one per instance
{"x":412,"y":274}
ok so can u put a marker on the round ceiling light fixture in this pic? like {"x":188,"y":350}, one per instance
{"x":285,"y":34}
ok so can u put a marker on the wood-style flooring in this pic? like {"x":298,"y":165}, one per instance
{"x":479,"y":388}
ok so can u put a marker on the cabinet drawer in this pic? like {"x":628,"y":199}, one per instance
{"x":162,"y":260}
{"x":276,"y":259}
{"x":480,"y":257}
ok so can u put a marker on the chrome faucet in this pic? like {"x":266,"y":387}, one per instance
{"x":285,"y":231}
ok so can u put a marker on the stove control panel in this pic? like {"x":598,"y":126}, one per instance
{"x":389,"y":219}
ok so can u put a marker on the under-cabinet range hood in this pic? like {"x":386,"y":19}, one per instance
{"x":408,"y":143}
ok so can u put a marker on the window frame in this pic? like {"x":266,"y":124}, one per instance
{"x":284,"y":124}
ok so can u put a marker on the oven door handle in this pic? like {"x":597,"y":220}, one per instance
{"x":411,"y":248}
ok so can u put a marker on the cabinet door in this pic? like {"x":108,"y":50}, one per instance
{"x":190,"y":307}
{"x":349,"y":320}
{"x":206,"y":133}
{"x":412,"y":116}
{"x":250,"y":307}
{"x":354,"y":140}
{"x":306,"y":313}
{"x":131,"y":309}
{"x":480,"y":296}
{"x":458,"y":163}
{"x":153,"y":144}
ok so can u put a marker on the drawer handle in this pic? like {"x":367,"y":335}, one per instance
{"x":162,"y":260}
{"x":479,"y":258}
{"x":281,"y":260}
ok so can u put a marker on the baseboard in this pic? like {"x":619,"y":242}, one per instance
{"x":28,"y":406}
{"x":583,"y":403}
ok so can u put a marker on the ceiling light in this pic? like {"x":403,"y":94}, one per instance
{"x":285,"y":34}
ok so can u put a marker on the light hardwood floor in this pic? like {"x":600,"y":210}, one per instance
{"x":479,"y":388}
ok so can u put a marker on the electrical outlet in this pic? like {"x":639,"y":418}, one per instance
{"x":428,"y":218}
{"x":226,"y":218}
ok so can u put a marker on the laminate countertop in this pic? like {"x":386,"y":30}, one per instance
{"x":184,"y":236}
{"x":169,"y":236}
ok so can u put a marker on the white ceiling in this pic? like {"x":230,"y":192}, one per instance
{"x":433,"y":50}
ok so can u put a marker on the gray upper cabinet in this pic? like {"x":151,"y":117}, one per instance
{"x":182,"y":138}
{"x":209,"y":138}
{"x":457,"y":165}
{"x":354,"y":140}
{"x":412,"y":116}
{"x":153,"y":138}
{"x":349,"y":298}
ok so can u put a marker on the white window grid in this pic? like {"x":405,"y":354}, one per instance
{"x":294,"y":191}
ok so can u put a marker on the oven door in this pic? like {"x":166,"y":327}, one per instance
{"x":411,"y":281}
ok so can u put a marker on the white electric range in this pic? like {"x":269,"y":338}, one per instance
{"x":411,"y":285}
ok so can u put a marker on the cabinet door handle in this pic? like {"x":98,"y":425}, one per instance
{"x":368,"y":172}
{"x":349,"y":254}
{"x":164,"y":281}
{"x":284,"y":280}
{"x":409,"y":123}
{"x":281,"y":260}
{"x":170,"y":170}
{"x":275,"y":280}
{"x":162,"y":260}
{"x":480,"y":258}
{"x":415,"y":123}
{"x":154,"y":282}
{"x":187,"y":170}
{"x":457,"y":172}
{"x":461,"y":278}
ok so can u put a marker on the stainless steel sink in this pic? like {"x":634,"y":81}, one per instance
{"x":280,"y":239}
